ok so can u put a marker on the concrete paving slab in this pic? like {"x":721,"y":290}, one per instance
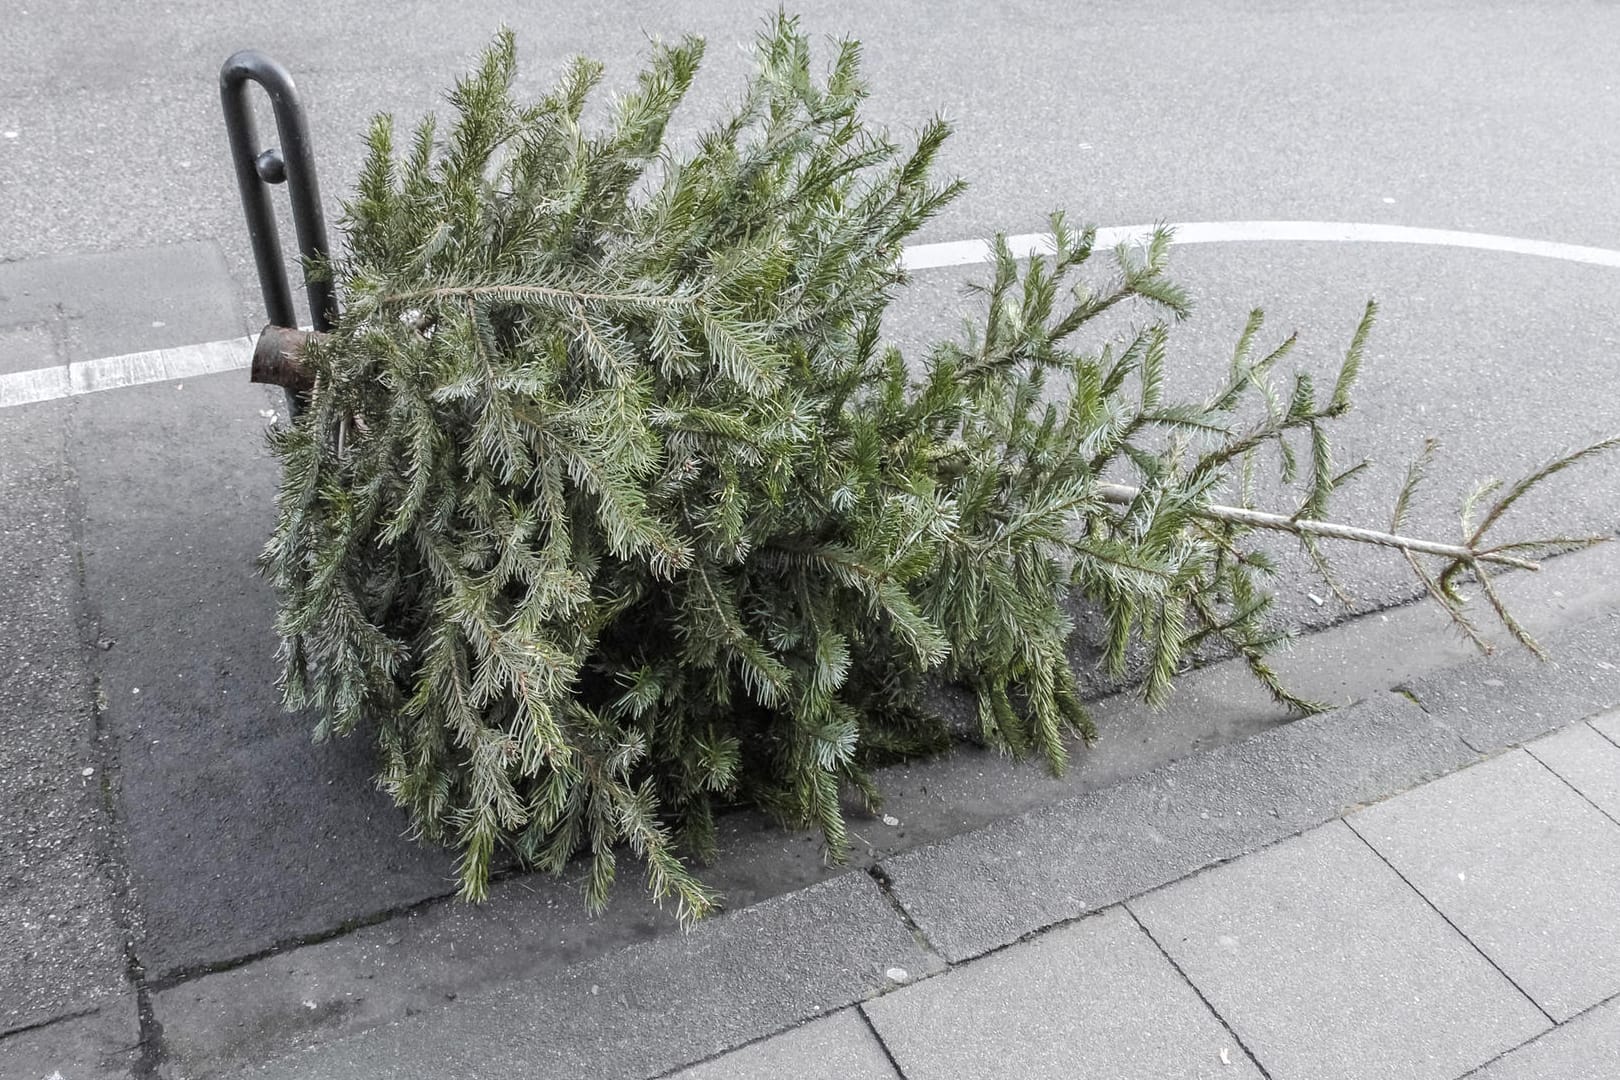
{"x":1522,"y":865}
{"x":1096,"y":998}
{"x":530,"y":927}
{"x":1329,"y":966}
{"x":980,"y":890}
{"x":1586,"y":1048}
{"x":836,"y":1047}
{"x":241,"y":834}
{"x":61,"y":941}
{"x":653,"y":1007}
{"x":102,"y":1045}
{"x":1505,"y":699}
{"x":1586,"y":761}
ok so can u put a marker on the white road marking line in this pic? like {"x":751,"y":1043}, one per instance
{"x":212,"y":357}
{"x":130,"y":369}
{"x":966,"y":252}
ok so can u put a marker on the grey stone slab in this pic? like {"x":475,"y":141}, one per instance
{"x":836,"y":1047}
{"x":61,"y":942}
{"x":400,"y":967}
{"x":1523,"y":866}
{"x":1328,"y":966}
{"x":241,"y":834}
{"x":1586,"y":761}
{"x":980,"y":890}
{"x":530,"y":927}
{"x":1586,"y":1048}
{"x":653,"y":1007}
{"x":1505,"y":699}
{"x":1096,"y":998}
{"x":103,"y":1045}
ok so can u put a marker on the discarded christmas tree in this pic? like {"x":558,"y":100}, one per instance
{"x":610,"y":508}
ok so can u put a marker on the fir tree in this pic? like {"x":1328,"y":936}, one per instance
{"x":611,"y":508}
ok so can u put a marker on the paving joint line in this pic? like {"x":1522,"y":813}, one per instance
{"x":883,"y":1044}
{"x":1458,"y":930}
{"x":1194,"y":987}
{"x":707,"y":1059}
{"x":150,"y":1051}
{"x":1612,"y":999}
{"x":885,"y":885}
{"x":1565,"y":781}
{"x":49,"y":1021}
{"x":182,"y":975}
{"x":1601,"y":733}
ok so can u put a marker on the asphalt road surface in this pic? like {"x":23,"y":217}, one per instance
{"x":1483,"y":117}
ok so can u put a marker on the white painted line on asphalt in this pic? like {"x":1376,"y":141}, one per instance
{"x":967,"y":252}
{"x":212,"y":357}
{"x":129,"y":369}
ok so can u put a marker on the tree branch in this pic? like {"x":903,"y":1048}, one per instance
{"x":1124,"y":494}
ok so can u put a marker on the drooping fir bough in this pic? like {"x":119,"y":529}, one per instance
{"x":611,"y":508}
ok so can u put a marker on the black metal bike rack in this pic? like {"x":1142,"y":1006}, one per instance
{"x":257,"y":168}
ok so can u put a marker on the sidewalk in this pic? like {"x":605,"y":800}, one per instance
{"x":1212,"y":918}
{"x":1470,"y":926}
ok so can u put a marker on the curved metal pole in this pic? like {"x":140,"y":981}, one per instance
{"x":293,"y":163}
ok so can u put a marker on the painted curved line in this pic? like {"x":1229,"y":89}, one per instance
{"x":968,"y":252}
{"x":47,"y":383}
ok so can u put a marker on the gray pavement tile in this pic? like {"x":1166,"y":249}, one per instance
{"x":980,"y":890}
{"x":61,"y":943}
{"x":1096,"y":998}
{"x":1587,"y":761}
{"x":836,"y":1047}
{"x":641,"y":1011}
{"x":1522,"y":865}
{"x":530,"y":927}
{"x":1586,"y":1048}
{"x":103,"y":1045}
{"x":241,"y":834}
{"x":1328,"y":966}
{"x":1505,"y":699}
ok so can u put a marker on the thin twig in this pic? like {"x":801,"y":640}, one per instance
{"x":1124,"y":494}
